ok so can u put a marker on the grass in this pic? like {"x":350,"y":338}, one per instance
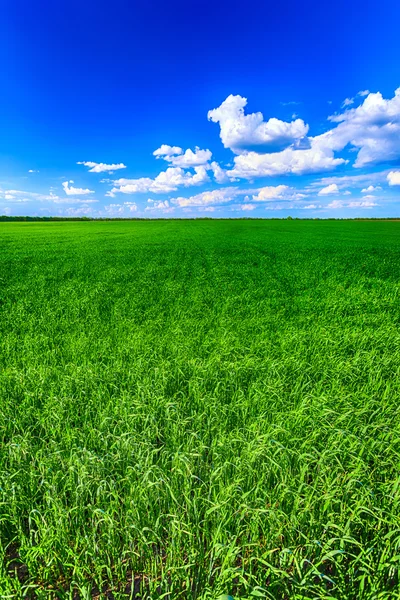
{"x":197,"y":408}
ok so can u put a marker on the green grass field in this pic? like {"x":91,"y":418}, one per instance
{"x":197,"y":408}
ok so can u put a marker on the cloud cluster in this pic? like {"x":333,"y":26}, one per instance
{"x":366,"y":132}
{"x":24,"y":196}
{"x":373,"y":129}
{"x":166,"y":181}
{"x":214,"y":197}
{"x":366,"y":203}
{"x":160,"y":205}
{"x":344,"y":181}
{"x":228,"y":194}
{"x":273,"y":147}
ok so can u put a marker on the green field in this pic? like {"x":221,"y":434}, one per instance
{"x":197,"y":408}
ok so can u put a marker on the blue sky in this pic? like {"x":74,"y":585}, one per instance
{"x":212,"y":109}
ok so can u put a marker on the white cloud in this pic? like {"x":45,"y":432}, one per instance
{"x":158,"y":205}
{"x":312,"y":160}
{"x":167,"y":151}
{"x":72,"y":191}
{"x":247,"y":206}
{"x":336,"y":204}
{"x":219,"y":173}
{"x":350,"y":180}
{"x":187,"y":159}
{"x":23,"y":196}
{"x":309,"y":207}
{"x":241,"y":132}
{"x":274,"y":207}
{"x":347,"y":102}
{"x":166,"y":181}
{"x":221,"y":196}
{"x":192,"y":159}
{"x":102,"y":167}
{"x":329,"y":189}
{"x":363,"y":93}
{"x":371,"y":188}
{"x":132,"y":206}
{"x":114,"y":210}
{"x":362,"y":204}
{"x":33,"y":171}
{"x":83,"y":211}
{"x":271,"y":192}
{"x":365,"y":203}
{"x":373,"y":129}
{"x":393,"y":178}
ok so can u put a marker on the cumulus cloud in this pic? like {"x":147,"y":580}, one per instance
{"x":187,"y":159}
{"x":313,"y":160}
{"x":102,"y":167}
{"x":268,"y":148}
{"x":247,"y":206}
{"x":166,"y":181}
{"x":363,"y":93}
{"x":165,"y":151}
{"x":73,"y":191}
{"x":219,"y":173}
{"x":370,"y":189}
{"x":393,"y":178}
{"x":271,"y":192}
{"x":241,"y":132}
{"x":373,"y":129}
{"x":329,"y":189}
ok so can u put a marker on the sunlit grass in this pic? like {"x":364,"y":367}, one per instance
{"x":190,"y":409}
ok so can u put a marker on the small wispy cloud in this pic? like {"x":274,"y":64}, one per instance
{"x":102,"y":167}
{"x":347,"y":102}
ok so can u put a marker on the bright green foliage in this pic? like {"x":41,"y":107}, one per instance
{"x":198,"y":408}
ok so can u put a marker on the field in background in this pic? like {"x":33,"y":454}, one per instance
{"x":189,"y":409}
